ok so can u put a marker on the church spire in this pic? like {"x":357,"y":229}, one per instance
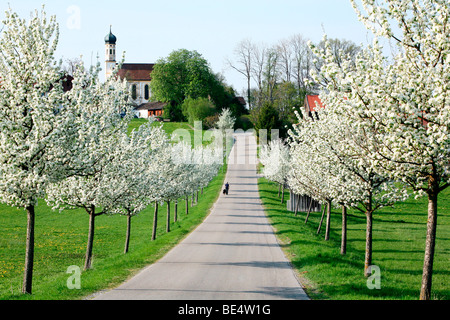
{"x":110,"y":50}
{"x":110,"y":38}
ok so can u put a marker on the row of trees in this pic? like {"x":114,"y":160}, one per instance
{"x":278,"y":77}
{"x":72,"y":147}
{"x":385,"y":128}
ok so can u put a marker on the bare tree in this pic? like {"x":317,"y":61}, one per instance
{"x":71,"y":65}
{"x":271,"y":72}
{"x":244,"y":54}
{"x":285,"y":59}
{"x":302,"y":61}
{"x":257,"y":71}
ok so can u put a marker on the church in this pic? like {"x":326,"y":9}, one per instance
{"x":138,"y":76}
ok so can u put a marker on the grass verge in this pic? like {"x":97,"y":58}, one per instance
{"x":398,"y":249}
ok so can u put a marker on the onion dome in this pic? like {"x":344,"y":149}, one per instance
{"x":110,"y":38}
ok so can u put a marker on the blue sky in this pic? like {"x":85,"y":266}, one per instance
{"x":151,"y":29}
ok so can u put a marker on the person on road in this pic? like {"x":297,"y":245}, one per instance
{"x":227,"y":187}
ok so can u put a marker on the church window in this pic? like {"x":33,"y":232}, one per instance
{"x":134,"y":92}
{"x":146,"y":92}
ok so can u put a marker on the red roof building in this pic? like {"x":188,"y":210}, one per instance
{"x":138,"y":76}
{"x":150,"y":109}
{"x":136,"y":71}
{"x":312,"y":102}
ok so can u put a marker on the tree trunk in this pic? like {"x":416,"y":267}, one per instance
{"x":344,"y":231}
{"x":29,"y":253}
{"x":321,"y":219}
{"x":168,"y":217}
{"x":127,"y":238}
{"x":90,"y":243}
{"x":249,"y":95}
{"x":425,"y":290}
{"x":192,"y":199}
{"x":368,"y":257}
{"x":309,"y":209}
{"x":187,"y":205}
{"x":297,"y":198}
{"x":327,"y":229}
{"x":196,"y":197}
{"x":155,"y":221}
{"x":175,"y":211}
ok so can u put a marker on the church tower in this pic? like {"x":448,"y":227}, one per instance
{"x":110,"y":50}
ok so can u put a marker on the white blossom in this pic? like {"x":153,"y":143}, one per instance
{"x":276,"y":160}
{"x":226,"y":121}
{"x":32,"y":123}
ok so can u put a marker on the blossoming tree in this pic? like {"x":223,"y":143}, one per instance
{"x":223,"y":134}
{"x":226,"y":121}
{"x":276,"y":160}
{"x":129,"y":176}
{"x":98,"y":126}
{"x":402,"y":104}
{"x":33,"y":123}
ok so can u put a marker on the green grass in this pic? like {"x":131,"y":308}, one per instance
{"x":398,"y":249}
{"x":60,"y":242}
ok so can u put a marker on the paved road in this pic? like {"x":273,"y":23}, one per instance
{"x":232,"y":255}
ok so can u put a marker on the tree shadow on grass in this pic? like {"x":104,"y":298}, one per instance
{"x":327,"y":259}
{"x":361,"y":289}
